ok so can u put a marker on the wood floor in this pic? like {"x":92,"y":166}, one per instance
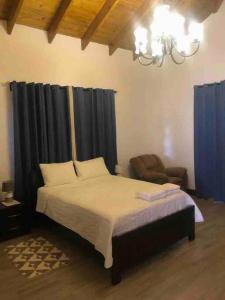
{"x":188,"y":270}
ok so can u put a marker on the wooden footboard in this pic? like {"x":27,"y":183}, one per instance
{"x":134,"y":246}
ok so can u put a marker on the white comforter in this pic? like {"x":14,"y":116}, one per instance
{"x":106,"y":206}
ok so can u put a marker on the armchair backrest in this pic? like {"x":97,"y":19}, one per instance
{"x":150,"y":162}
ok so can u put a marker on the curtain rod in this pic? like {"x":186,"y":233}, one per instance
{"x":209,"y":84}
{"x":86,"y":89}
{"x":10,"y":85}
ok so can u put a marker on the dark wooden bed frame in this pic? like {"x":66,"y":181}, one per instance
{"x":134,"y":246}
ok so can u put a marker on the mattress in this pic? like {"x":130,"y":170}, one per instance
{"x":106,"y":206}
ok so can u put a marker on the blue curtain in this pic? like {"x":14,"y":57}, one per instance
{"x":95,"y":125}
{"x":41,"y":130}
{"x":209,"y":140}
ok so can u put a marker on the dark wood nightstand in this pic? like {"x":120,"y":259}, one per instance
{"x":12,"y":221}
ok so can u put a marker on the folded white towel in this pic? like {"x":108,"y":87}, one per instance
{"x":170,"y":188}
{"x":150,"y":196}
{"x":166,"y":189}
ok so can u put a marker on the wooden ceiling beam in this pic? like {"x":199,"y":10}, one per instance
{"x":98,"y":20}
{"x":217,"y":4}
{"x":53,"y":29}
{"x":141,"y":11}
{"x":14,"y":15}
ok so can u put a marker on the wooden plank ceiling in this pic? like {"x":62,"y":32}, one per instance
{"x":108,"y":22}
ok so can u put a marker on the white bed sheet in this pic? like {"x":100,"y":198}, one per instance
{"x":106,"y":206}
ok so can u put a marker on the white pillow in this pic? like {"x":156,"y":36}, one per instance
{"x":91,"y":168}
{"x":58,"y":173}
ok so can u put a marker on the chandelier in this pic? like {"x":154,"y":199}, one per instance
{"x":169,"y":34}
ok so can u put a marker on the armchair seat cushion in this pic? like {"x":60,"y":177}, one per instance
{"x":176,"y":172}
{"x":175,"y":180}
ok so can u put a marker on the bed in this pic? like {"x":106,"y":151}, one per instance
{"x":124,"y":229}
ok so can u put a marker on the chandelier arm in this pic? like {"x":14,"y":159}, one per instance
{"x":167,"y":47}
{"x":145,"y":64}
{"x":188,"y":55}
{"x":162,"y":61}
{"x":175,"y":61}
{"x":147,"y":57}
{"x":171,"y":47}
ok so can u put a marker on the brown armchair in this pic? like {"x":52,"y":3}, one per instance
{"x":150,"y":168}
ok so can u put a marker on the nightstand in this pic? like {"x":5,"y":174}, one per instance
{"x":12,"y":221}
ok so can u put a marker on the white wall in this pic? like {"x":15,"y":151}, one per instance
{"x":154,"y":106}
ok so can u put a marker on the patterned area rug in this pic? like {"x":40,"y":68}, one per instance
{"x":36,"y":256}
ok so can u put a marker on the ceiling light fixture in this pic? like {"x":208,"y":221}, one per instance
{"x":169,"y":34}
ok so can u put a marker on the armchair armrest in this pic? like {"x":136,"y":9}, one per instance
{"x":176,"y":172}
{"x":154,"y":176}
